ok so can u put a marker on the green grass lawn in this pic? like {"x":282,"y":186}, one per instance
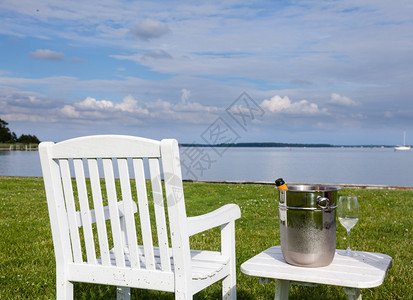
{"x":27,"y":265}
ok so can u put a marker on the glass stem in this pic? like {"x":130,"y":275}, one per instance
{"x":348,"y":241}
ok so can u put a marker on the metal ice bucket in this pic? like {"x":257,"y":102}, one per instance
{"x":308,"y":224}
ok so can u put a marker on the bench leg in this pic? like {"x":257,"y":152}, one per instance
{"x":122,"y":293}
{"x":353,"y":293}
{"x":282,"y":289}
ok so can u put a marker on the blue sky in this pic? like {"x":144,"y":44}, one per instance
{"x":338,"y":72}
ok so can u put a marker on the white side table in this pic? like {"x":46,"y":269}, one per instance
{"x":367,"y":270}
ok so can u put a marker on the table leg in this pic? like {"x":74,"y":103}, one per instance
{"x":353,"y":293}
{"x":265,"y":280}
{"x":282,"y":289}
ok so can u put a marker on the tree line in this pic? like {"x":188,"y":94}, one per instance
{"x":7,"y":136}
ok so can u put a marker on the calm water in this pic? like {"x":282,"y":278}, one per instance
{"x":321,"y":165}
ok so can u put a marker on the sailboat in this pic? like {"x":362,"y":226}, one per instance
{"x":404,"y":147}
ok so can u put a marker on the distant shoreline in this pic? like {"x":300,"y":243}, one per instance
{"x":283,"y":145}
{"x":18,"y":147}
{"x":340,"y":185}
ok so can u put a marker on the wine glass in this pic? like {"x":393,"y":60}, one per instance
{"x":348,"y":215}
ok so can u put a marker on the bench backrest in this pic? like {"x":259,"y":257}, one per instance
{"x":93,"y":185}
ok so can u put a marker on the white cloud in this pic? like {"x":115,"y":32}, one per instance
{"x":129,"y":109}
{"x":159,"y":105}
{"x":110,"y":32}
{"x":149,"y":29}
{"x":130,"y":104}
{"x":22,"y":117}
{"x":184,"y":111}
{"x":90,"y":107}
{"x":342,"y":100}
{"x":46,"y":54}
{"x":278,"y":104}
{"x":69,"y":111}
{"x":195,"y":107}
{"x":155,"y":55}
{"x":92,"y":103}
{"x":185,"y":95}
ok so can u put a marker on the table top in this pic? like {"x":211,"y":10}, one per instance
{"x":366,"y":270}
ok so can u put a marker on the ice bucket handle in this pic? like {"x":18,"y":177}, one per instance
{"x":324,"y":203}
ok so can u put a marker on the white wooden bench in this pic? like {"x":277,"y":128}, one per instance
{"x":103,"y":228}
{"x":366,"y":270}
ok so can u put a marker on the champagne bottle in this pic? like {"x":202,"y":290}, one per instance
{"x":280,"y":184}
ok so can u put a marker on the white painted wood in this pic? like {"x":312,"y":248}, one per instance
{"x":98,"y":215}
{"x":177,"y":216}
{"x":106,"y":146}
{"x":128,"y":277}
{"x":123,"y":293}
{"x":58,"y":220}
{"x":85,"y":211}
{"x":74,"y":222}
{"x":159,"y":207}
{"x":282,"y":289}
{"x":130,"y":226}
{"x":213,"y":219}
{"x":63,"y":286}
{"x":353,"y":294}
{"x":132,"y":262}
{"x":367,"y":270}
{"x":144,"y":213}
{"x":229,"y":289}
{"x":114,"y":212}
{"x":106,"y":213}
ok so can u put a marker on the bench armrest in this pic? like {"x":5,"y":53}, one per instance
{"x":218,"y":217}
